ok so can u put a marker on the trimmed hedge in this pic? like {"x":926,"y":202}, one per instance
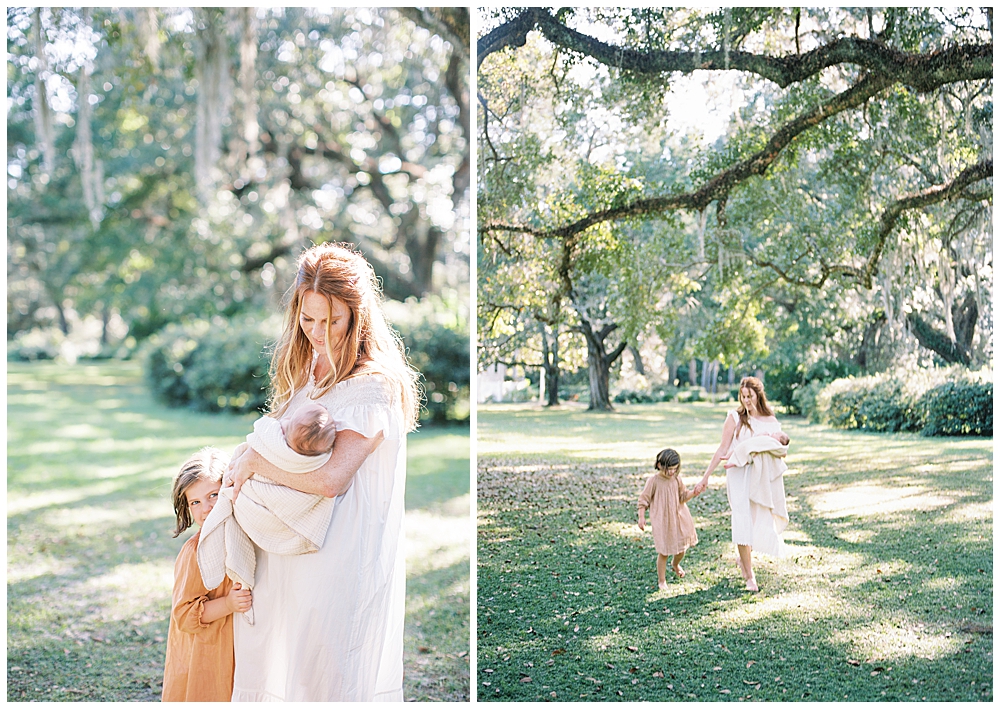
{"x":935,"y":402}
{"x":959,"y":409}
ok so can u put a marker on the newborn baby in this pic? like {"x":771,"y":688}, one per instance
{"x":309,"y":431}
{"x":780,"y":436}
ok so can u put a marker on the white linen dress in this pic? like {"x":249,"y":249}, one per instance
{"x":754,"y":525}
{"x":329,"y":626}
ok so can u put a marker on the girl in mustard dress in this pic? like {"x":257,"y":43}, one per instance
{"x":199,"y":663}
{"x":666,"y":497}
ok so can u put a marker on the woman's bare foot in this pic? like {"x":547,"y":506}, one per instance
{"x":677,"y":570}
{"x":752,"y":584}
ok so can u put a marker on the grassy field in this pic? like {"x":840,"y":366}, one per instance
{"x":90,"y":458}
{"x":886,"y":596}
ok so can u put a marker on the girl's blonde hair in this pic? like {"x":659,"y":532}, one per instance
{"x":369,"y":345}
{"x":756,"y":386}
{"x":208,"y":464}
{"x":668,"y":458}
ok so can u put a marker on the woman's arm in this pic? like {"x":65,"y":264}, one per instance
{"x":331,"y":479}
{"x":727,"y":438}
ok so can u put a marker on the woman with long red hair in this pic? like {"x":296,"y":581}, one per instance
{"x":755,"y":525}
{"x":329,"y":626}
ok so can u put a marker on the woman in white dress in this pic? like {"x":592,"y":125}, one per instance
{"x":754,"y":526}
{"x":329,"y":626}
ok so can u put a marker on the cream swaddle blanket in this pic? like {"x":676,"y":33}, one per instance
{"x":276,"y":518}
{"x":766,"y":456}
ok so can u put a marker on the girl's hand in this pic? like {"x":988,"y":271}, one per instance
{"x":700,"y":487}
{"x":239,"y":600}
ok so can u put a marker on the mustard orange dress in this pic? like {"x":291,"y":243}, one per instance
{"x":673,"y":527}
{"x":199,"y":665}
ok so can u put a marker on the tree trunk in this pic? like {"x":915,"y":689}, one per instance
{"x":693,"y":372}
{"x":550,"y":366}
{"x":44,"y":134}
{"x":637,"y":360}
{"x":212,"y":74}
{"x":599,"y":363}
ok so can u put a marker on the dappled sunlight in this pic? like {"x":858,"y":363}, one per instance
{"x":93,"y":519}
{"x":39,"y":565}
{"x":969,"y":511}
{"x":57,"y":497}
{"x":124,"y":591}
{"x":434,"y":541}
{"x":884,"y":642}
{"x":867,"y":499}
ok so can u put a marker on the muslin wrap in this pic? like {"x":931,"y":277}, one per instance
{"x":765,"y":456}
{"x":276,"y":518}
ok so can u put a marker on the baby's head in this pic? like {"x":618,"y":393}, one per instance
{"x":196,"y":487}
{"x":668,"y":462}
{"x":309,"y":430}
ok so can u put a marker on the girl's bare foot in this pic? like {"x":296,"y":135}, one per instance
{"x":663,"y":586}
{"x":678,"y":570}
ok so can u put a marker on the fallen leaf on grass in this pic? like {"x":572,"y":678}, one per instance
{"x":526,"y":679}
{"x":488,"y":671}
{"x":657,"y":674}
{"x":558,"y":651}
{"x":752,"y":682}
{"x":750,"y":664}
{"x":633,"y":648}
{"x":853,"y":662}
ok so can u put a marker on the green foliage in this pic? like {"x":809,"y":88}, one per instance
{"x":351,"y":125}
{"x":441,"y":354}
{"x":959,"y":409}
{"x":935,"y":402}
{"x":212,"y":365}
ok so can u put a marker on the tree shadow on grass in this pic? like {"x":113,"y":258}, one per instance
{"x":565,"y":580}
{"x":436,"y":657}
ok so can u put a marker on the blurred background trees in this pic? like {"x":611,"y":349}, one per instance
{"x":167,"y":166}
{"x":804,"y":193}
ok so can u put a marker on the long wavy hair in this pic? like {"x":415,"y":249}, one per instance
{"x":208,"y":464}
{"x":756,"y":386}
{"x":369,"y":344}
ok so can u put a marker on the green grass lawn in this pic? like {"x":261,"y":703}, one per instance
{"x":886,"y":596}
{"x":90,"y":459}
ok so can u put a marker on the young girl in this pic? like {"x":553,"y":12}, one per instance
{"x":199,"y":664}
{"x":673,"y":529}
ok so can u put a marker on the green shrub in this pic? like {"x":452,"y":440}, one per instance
{"x":441,"y":354}
{"x":217,"y":365}
{"x":805,"y":399}
{"x":959,"y":409}
{"x":946,"y":401}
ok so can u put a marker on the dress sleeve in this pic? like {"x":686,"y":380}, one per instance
{"x":369,"y":405}
{"x":646,"y":495}
{"x":190,"y":594}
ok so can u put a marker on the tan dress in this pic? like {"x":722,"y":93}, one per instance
{"x":673,"y":527}
{"x":199,"y":665}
